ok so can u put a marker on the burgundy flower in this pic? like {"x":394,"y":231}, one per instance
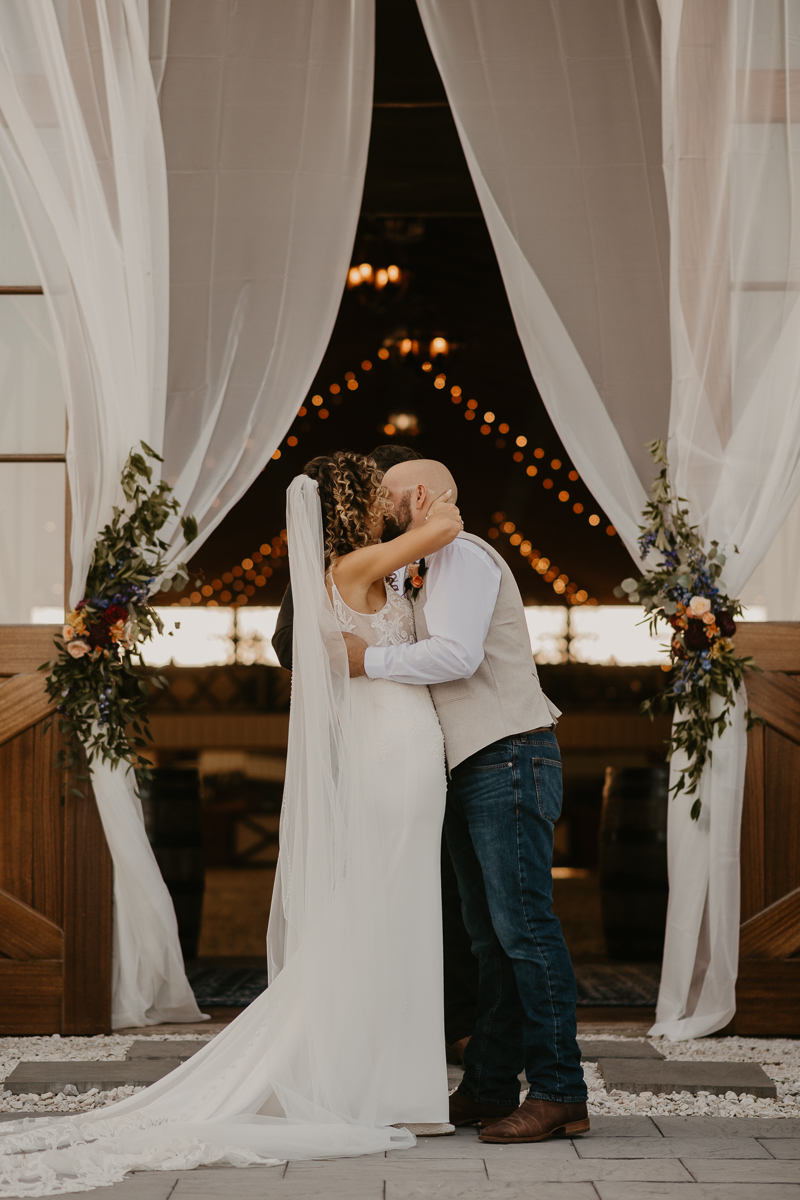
{"x":99,"y":634}
{"x":677,"y":621}
{"x":677,"y":649}
{"x":725,"y":624}
{"x":695,"y":635}
{"x":115,"y":612}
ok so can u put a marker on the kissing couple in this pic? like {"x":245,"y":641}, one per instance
{"x":415,"y":704}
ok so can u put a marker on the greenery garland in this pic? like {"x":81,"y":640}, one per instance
{"x":685,"y":590}
{"x":97,"y":676}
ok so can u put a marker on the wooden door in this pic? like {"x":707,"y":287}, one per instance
{"x":768,"y":988}
{"x":55,"y":869}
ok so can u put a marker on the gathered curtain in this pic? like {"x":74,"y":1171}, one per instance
{"x":651,"y":303}
{"x":266,"y":110}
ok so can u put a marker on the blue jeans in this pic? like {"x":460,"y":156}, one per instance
{"x":502,"y":804}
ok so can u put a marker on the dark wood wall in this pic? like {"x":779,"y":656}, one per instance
{"x":55,"y":869}
{"x":768,"y":988}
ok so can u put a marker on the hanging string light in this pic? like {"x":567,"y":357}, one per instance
{"x":544,"y":566}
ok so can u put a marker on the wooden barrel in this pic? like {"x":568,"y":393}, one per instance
{"x":634,"y":886}
{"x":173,"y":819}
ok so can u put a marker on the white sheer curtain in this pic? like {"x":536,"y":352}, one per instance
{"x":558,"y":110}
{"x":81,"y":146}
{"x":266,"y":110}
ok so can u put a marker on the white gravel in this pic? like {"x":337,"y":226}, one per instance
{"x":780,"y":1058}
{"x":70,"y":1049}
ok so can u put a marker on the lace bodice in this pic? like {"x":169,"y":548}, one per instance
{"x":393,"y":625}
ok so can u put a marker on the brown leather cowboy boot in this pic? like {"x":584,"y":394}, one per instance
{"x":536,"y":1120}
{"x":464,"y":1111}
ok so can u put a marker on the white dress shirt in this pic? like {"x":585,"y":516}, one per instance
{"x":462,"y":584}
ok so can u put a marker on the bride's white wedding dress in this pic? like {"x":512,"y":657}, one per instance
{"x":348,"y":1039}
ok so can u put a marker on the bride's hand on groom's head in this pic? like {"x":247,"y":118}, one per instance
{"x":356,"y":647}
{"x":442,"y":506}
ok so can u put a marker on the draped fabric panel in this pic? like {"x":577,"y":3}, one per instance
{"x":558,"y":108}
{"x":731,"y":140}
{"x":267,"y":110}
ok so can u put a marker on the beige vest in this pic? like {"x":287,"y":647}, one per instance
{"x":504,"y":695}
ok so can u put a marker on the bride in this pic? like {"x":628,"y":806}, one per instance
{"x":343,"y":1054}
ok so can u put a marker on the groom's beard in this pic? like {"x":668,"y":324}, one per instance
{"x":398,"y":521}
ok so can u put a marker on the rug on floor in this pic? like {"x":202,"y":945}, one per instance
{"x":617,"y":985}
{"x":226,"y":987}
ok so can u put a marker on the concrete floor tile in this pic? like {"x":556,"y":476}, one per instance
{"x":712,"y":1147}
{"x":465,"y":1144}
{"x":592,"y":1049}
{"x":148,"y":1048}
{"x":698,"y":1191}
{"x":41,"y":1077}
{"x":742,"y":1171}
{"x":623,"y":1127}
{"x":145,"y":1185}
{"x":490,"y":1191}
{"x":783,"y":1147}
{"x":637,"y":1075}
{"x":374,"y":1166}
{"x":748,"y":1127}
{"x":656,"y":1170}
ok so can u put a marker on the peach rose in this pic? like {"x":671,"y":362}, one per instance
{"x":78,"y":648}
{"x":709,"y":618}
{"x":68,"y":633}
{"x":417,"y":581}
{"x":699,"y":606}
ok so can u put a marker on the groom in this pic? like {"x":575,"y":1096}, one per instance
{"x":503,"y":798}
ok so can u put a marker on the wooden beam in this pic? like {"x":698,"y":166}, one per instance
{"x":776,"y":699}
{"x":775,"y":931}
{"x":25,"y":933}
{"x":23,"y":703}
{"x":768,"y":998}
{"x":775,"y":645}
{"x":23,"y":648}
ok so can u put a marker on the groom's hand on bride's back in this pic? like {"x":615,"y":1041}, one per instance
{"x":356,"y":647}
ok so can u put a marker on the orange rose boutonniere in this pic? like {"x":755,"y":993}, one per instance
{"x":415,"y":578}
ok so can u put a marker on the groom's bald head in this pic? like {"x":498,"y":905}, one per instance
{"x":413,"y":487}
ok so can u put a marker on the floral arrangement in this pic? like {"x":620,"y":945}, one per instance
{"x":100,"y":687}
{"x":685,"y":590}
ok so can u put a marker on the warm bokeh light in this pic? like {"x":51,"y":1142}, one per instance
{"x":489,"y":417}
{"x":556,"y":464}
{"x":381,"y":278}
{"x":291,"y":441}
{"x":455,"y":390}
{"x":543,"y":565}
{"x":439,"y":381}
{"x":509,"y":527}
{"x":515,"y":539}
{"x":393,"y":273}
{"x":383,"y":353}
{"x":538,"y":452}
{"x":502,"y":428}
{"x":563,"y":497}
{"x":317,"y":400}
{"x":334,"y":389}
{"x":518,"y":456}
{"x":366,"y":365}
{"x":469,"y":414}
{"x":353,"y":277}
{"x":301,"y":412}
{"x":559,"y":586}
{"x":494,"y":533}
{"x":276,"y":454}
{"x":547,"y":483}
{"x":577,"y":508}
{"x":611,"y":531}
{"x":323,"y":414}
{"x":352,"y":384}
{"x":525,"y":548}
{"x":522,"y":441}
{"x":389,"y":430}
{"x":403,"y":421}
{"x":532,"y":470}
{"x":426,"y":366}
{"x":594,"y":519}
{"x":365,"y":271}
{"x":573,"y":475}
{"x":486,"y":429}
{"x":349,"y":375}
{"x":473,"y":404}
{"x":405,"y":346}
{"x":498,"y":517}
{"x":439,"y":345}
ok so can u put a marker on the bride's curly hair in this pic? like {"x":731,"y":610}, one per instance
{"x":352,"y":496}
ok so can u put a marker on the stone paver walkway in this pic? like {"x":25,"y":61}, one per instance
{"x":624,"y":1158}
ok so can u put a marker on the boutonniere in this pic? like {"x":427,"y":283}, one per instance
{"x":415,"y":578}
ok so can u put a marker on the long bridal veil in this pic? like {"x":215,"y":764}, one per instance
{"x":300,"y":1073}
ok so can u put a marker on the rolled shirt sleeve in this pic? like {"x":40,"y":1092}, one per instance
{"x":462,"y":586}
